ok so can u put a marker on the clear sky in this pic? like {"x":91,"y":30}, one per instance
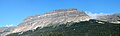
{"x":13,"y":12}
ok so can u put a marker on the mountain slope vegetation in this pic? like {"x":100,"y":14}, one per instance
{"x":83,"y":28}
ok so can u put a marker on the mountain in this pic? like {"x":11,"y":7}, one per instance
{"x":83,"y":28}
{"x":67,"y":22}
{"x":112,"y":18}
{"x":60,"y":16}
{"x":4,"y":30}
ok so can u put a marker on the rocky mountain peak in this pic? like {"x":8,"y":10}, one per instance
{"x":55,"y":17}
{"x":71,"y":9}
{"x":61,"y":10}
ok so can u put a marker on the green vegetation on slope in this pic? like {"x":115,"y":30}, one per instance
{"x":85,"y":28}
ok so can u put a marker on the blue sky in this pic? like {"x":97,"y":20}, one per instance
{"x":13,"y":12}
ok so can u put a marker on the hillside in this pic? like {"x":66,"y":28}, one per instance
{"x":112,"y":18}
{"x":4,"y":30}
{"x":66,"y":22}
{"x":84,"y":28}
{"x":60,"y":16}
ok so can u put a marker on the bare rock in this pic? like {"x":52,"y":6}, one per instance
{"x":55,"y":17}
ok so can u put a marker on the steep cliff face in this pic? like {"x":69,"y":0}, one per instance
{"x":60,"y":16}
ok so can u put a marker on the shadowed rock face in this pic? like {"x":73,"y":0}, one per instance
{"x":114,"y":18}
{"x":60,"y":16}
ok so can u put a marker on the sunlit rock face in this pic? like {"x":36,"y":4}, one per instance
{"x":55,"y":17}
{"x":113,"y":18}
{"x":4,"y":30}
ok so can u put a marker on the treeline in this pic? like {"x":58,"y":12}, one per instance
{"x":85,"y":28}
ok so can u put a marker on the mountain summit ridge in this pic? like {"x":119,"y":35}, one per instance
{"x":56,"y":18}
{"x":60,"y":16}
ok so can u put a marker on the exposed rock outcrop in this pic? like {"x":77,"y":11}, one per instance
{"x":113,"y":18}
{"x":60,"y":16}
{"x":4,"y":30}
